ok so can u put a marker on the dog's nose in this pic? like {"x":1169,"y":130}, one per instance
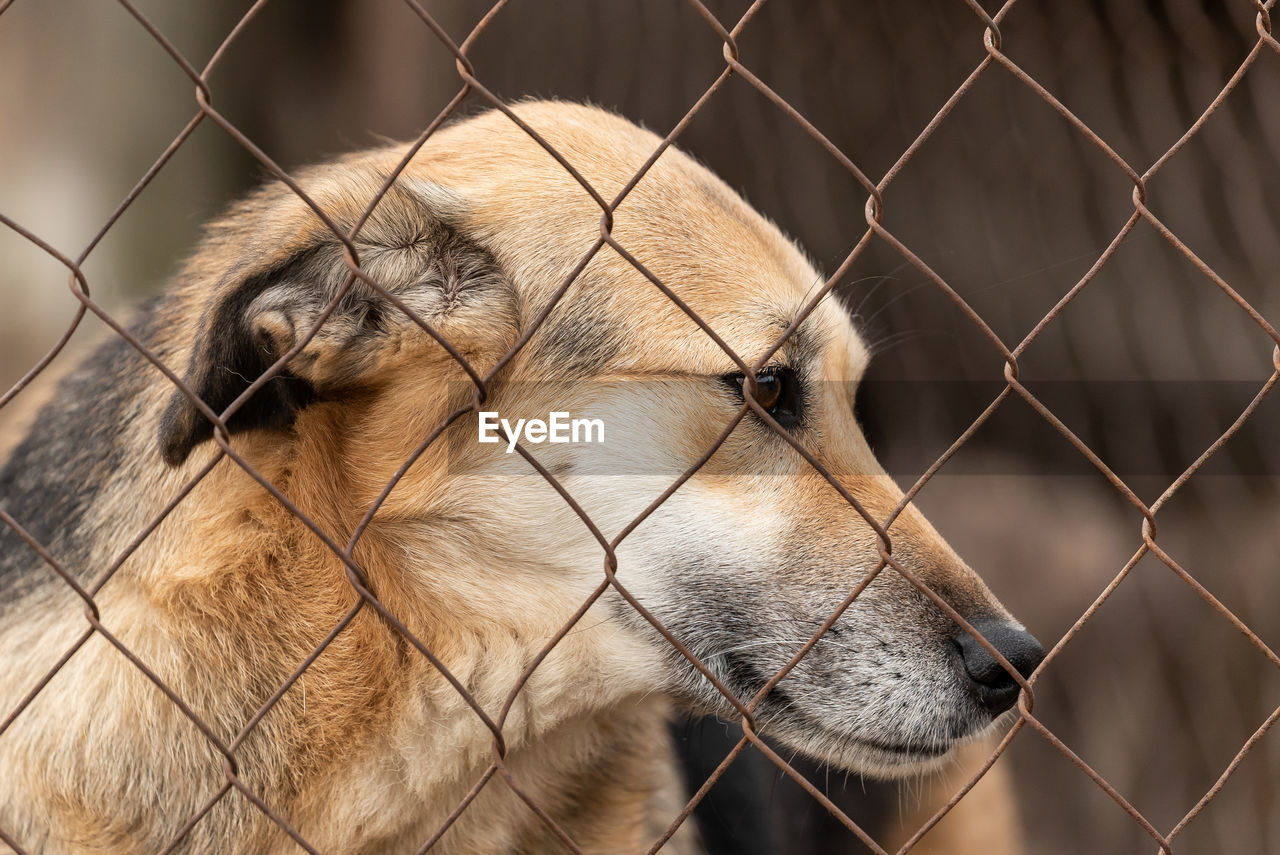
{"x":995,"y":689}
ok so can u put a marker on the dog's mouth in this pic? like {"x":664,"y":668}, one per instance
{"x":887,"y":756}
{"x":875,"y":755}
{"x":908,"y":752}
{"x":785,"y":716}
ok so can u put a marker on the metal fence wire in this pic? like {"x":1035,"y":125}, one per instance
{"x":1027,"y":725}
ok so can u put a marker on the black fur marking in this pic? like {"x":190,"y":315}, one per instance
{"x":581,"y":336}
{"x":227,"y":359}
{"x":66,"y":461}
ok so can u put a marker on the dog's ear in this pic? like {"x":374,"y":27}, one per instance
{"x":237,"y":342}
{"x":262,"y":309}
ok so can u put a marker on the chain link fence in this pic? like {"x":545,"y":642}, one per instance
{"x":1130,"y":186}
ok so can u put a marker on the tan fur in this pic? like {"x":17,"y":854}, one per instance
{"x":478,"y":557}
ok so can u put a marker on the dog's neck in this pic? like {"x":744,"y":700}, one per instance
{"x":269,"y":570}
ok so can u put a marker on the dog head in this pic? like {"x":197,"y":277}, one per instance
{"x":742,"y":563}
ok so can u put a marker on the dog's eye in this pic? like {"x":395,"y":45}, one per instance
{"x":768,"y":390}
{"x":777,"y":391}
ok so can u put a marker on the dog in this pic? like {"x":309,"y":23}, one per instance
{"x":473,"y":552}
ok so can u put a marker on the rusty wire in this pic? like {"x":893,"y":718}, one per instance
{"x":995,"y":61}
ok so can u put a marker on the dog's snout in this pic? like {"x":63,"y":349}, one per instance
{"x":996,"y":690}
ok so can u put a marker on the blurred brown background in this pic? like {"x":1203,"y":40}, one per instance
{"x":1007,"y":201}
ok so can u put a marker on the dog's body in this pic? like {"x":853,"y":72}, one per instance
{"x":479,"y":558}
